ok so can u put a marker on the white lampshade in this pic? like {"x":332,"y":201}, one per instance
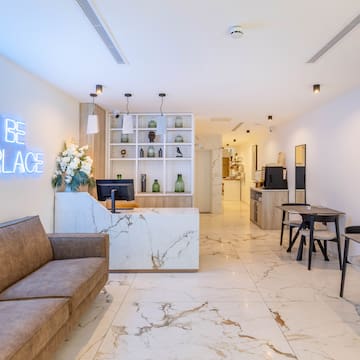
{"x":92,"y":124}
{"x":128,"y":127}
{"x":161,"y":125}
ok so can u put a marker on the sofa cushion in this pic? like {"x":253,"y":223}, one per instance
{"x":24,"y":247}
{"x":73,"y":278}
{"x":28,"y":325}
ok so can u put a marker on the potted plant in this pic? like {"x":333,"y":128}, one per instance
{"x":73,"y":168}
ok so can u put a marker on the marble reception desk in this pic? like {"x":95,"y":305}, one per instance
{"x":145,"y":239}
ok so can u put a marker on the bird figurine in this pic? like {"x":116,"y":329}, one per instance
{"x":179,"y":153}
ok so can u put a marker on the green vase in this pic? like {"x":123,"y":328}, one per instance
{"x":156,"y":186}
{"x":179,"y":184}
{"x":151,"y":151}
{"x":152,"y":124}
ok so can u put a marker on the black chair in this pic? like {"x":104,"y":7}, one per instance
{"x":292,"y":220}
{"x":319,"y":236}
{"x":348,"y":230}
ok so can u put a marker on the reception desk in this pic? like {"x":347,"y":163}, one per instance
{"x":142,"y":239}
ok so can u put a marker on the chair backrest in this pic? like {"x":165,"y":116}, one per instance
{"x":295,"y":204}
{"x":352,"y":229}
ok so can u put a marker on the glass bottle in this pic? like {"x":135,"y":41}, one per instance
{"x":179,"y":184}
{"x":124,"y":138}
{"x":156,"y":186}
{"x":152,"y":124}
{"x":141,"y":152}
{"x":160,"y":152}
{"x":143,"y":182}
{"x":150,"y":151}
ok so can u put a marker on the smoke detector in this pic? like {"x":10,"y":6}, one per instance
{"x":236,"y":31}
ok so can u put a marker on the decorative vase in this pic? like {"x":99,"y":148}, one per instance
{"x":150,"y":151}
{"x":141,"y":152}
{"x":152,"y":124}
{"x":179,"y":184}
{"x":156,"y":186}
{"x":67,"y":188}
{"x":143,"y":182}
{"x":151,"y":136}
{"x":160,"y":153}
{"x":179,"y":139}
{"x":124,"y":138}
{"x":178,"y":122}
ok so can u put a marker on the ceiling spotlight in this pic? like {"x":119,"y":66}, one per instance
{"x":316,"y":88}
{"x":236,"y":31}
{"x":234,"y":140}
{"x":99,"y":89}
{"x":270,"y":117}
{"x":247,"y":131}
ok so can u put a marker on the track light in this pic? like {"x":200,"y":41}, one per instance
{"x":99,"y":89}
{"x":316,"y":88}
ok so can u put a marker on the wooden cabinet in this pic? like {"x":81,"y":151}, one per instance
{"x":160,"y":155}
{"x":263,"y":207}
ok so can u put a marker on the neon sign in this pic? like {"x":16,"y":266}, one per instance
{"x":15,"y":158}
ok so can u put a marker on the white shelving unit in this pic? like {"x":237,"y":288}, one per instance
{"x":124,"y":158}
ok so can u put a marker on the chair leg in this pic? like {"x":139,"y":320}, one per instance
{"x":311,"y":247}
{"x":290,"y":233}
{"x":281,"y":234}
{"x":301,"y":247}
{"x":323,"y":249}
{"x":346,"y":250}
{"x":339,"y":253}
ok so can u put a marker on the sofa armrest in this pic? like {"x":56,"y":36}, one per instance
{"x":70,"y":246}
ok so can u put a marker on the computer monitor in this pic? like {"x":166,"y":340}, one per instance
{"x":124,"y":189}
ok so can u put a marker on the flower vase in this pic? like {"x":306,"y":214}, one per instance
{"x":68,"y":188}
{"x":179,"y":184}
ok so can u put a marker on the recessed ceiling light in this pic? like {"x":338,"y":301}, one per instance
{"x":316,"y":88}
{"x":236,"y":31}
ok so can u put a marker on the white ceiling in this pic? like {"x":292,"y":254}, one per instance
{"x":182,"y":48}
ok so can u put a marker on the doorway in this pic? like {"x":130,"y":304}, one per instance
{"x":203,"y":181}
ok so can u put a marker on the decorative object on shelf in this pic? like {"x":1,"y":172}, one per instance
{"x":124,"y":138}
{"x":156,"y":186}
{"x":118,"y":176}
{"x":179,"y":184}
{"x":151,"y":136}
{"x":161,"y":124}
{"x":93,"y":121}
{"x":160,"y":152}
{"x":73,"y":168}
{"x":128,"y":126}
{"x":179,"y":122}
{"x":152,"y":123}
{"x":123,"y":153}
{"x":143,"y":182}
{"x":141,"y":152}
{"x":178,"y":152}
{"x":150,"y":151}
{"x":179,"y":139}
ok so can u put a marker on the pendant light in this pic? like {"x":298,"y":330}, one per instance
{"x":99,"y":89}
{"x":93,"y":122}
{"x":128,"y":127}
{"x":316,"y":88}
{"x":161,"y":123}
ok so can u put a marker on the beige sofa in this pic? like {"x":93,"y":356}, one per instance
{"x":46,"y":281}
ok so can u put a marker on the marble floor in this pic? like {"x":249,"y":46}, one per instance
{"x":250,"y":300}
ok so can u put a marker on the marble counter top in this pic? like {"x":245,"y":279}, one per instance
{"x":140,"y":239}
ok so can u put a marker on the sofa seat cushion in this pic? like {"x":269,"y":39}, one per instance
{"x":73,"y":278}
{"x":28,"y":325}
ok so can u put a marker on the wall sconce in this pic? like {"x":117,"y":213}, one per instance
{"x":99,"y":89}
{"x":316,"y":88}
{"x":161,"y":123}
{"x":93,"y":121}
{"x":128,"y":126}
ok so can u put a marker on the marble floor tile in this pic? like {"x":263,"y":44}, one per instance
{"x":250,"y":300}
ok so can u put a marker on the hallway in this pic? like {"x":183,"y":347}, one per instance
{"x":250,"y":300}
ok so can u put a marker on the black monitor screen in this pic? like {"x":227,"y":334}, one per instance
{"x":124,"y":189}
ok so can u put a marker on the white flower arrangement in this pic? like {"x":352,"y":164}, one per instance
{"x":73,"y":168}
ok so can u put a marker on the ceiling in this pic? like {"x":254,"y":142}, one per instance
{"x":182,"y":48}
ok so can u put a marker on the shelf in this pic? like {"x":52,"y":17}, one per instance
{"x":122,"y":159}
{"x":178,"y":158}
{"x":178,"y":143}
{"x":179,"y":129}
{"x":150,"y":159}
{"x":153,"y":144}
{"x":123,"y":144}
{"x":163,"y":194}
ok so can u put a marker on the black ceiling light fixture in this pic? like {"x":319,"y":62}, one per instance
{"x":99,"y":89}
{"x":93,"y":121}
{"x":269,"y":117}
{"x":316,"y":88}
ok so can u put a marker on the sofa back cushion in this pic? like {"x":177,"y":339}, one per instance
{"x":24,"y":247}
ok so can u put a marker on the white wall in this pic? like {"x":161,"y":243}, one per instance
{"x":51,"y":117}
{"x":332,"y":138}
